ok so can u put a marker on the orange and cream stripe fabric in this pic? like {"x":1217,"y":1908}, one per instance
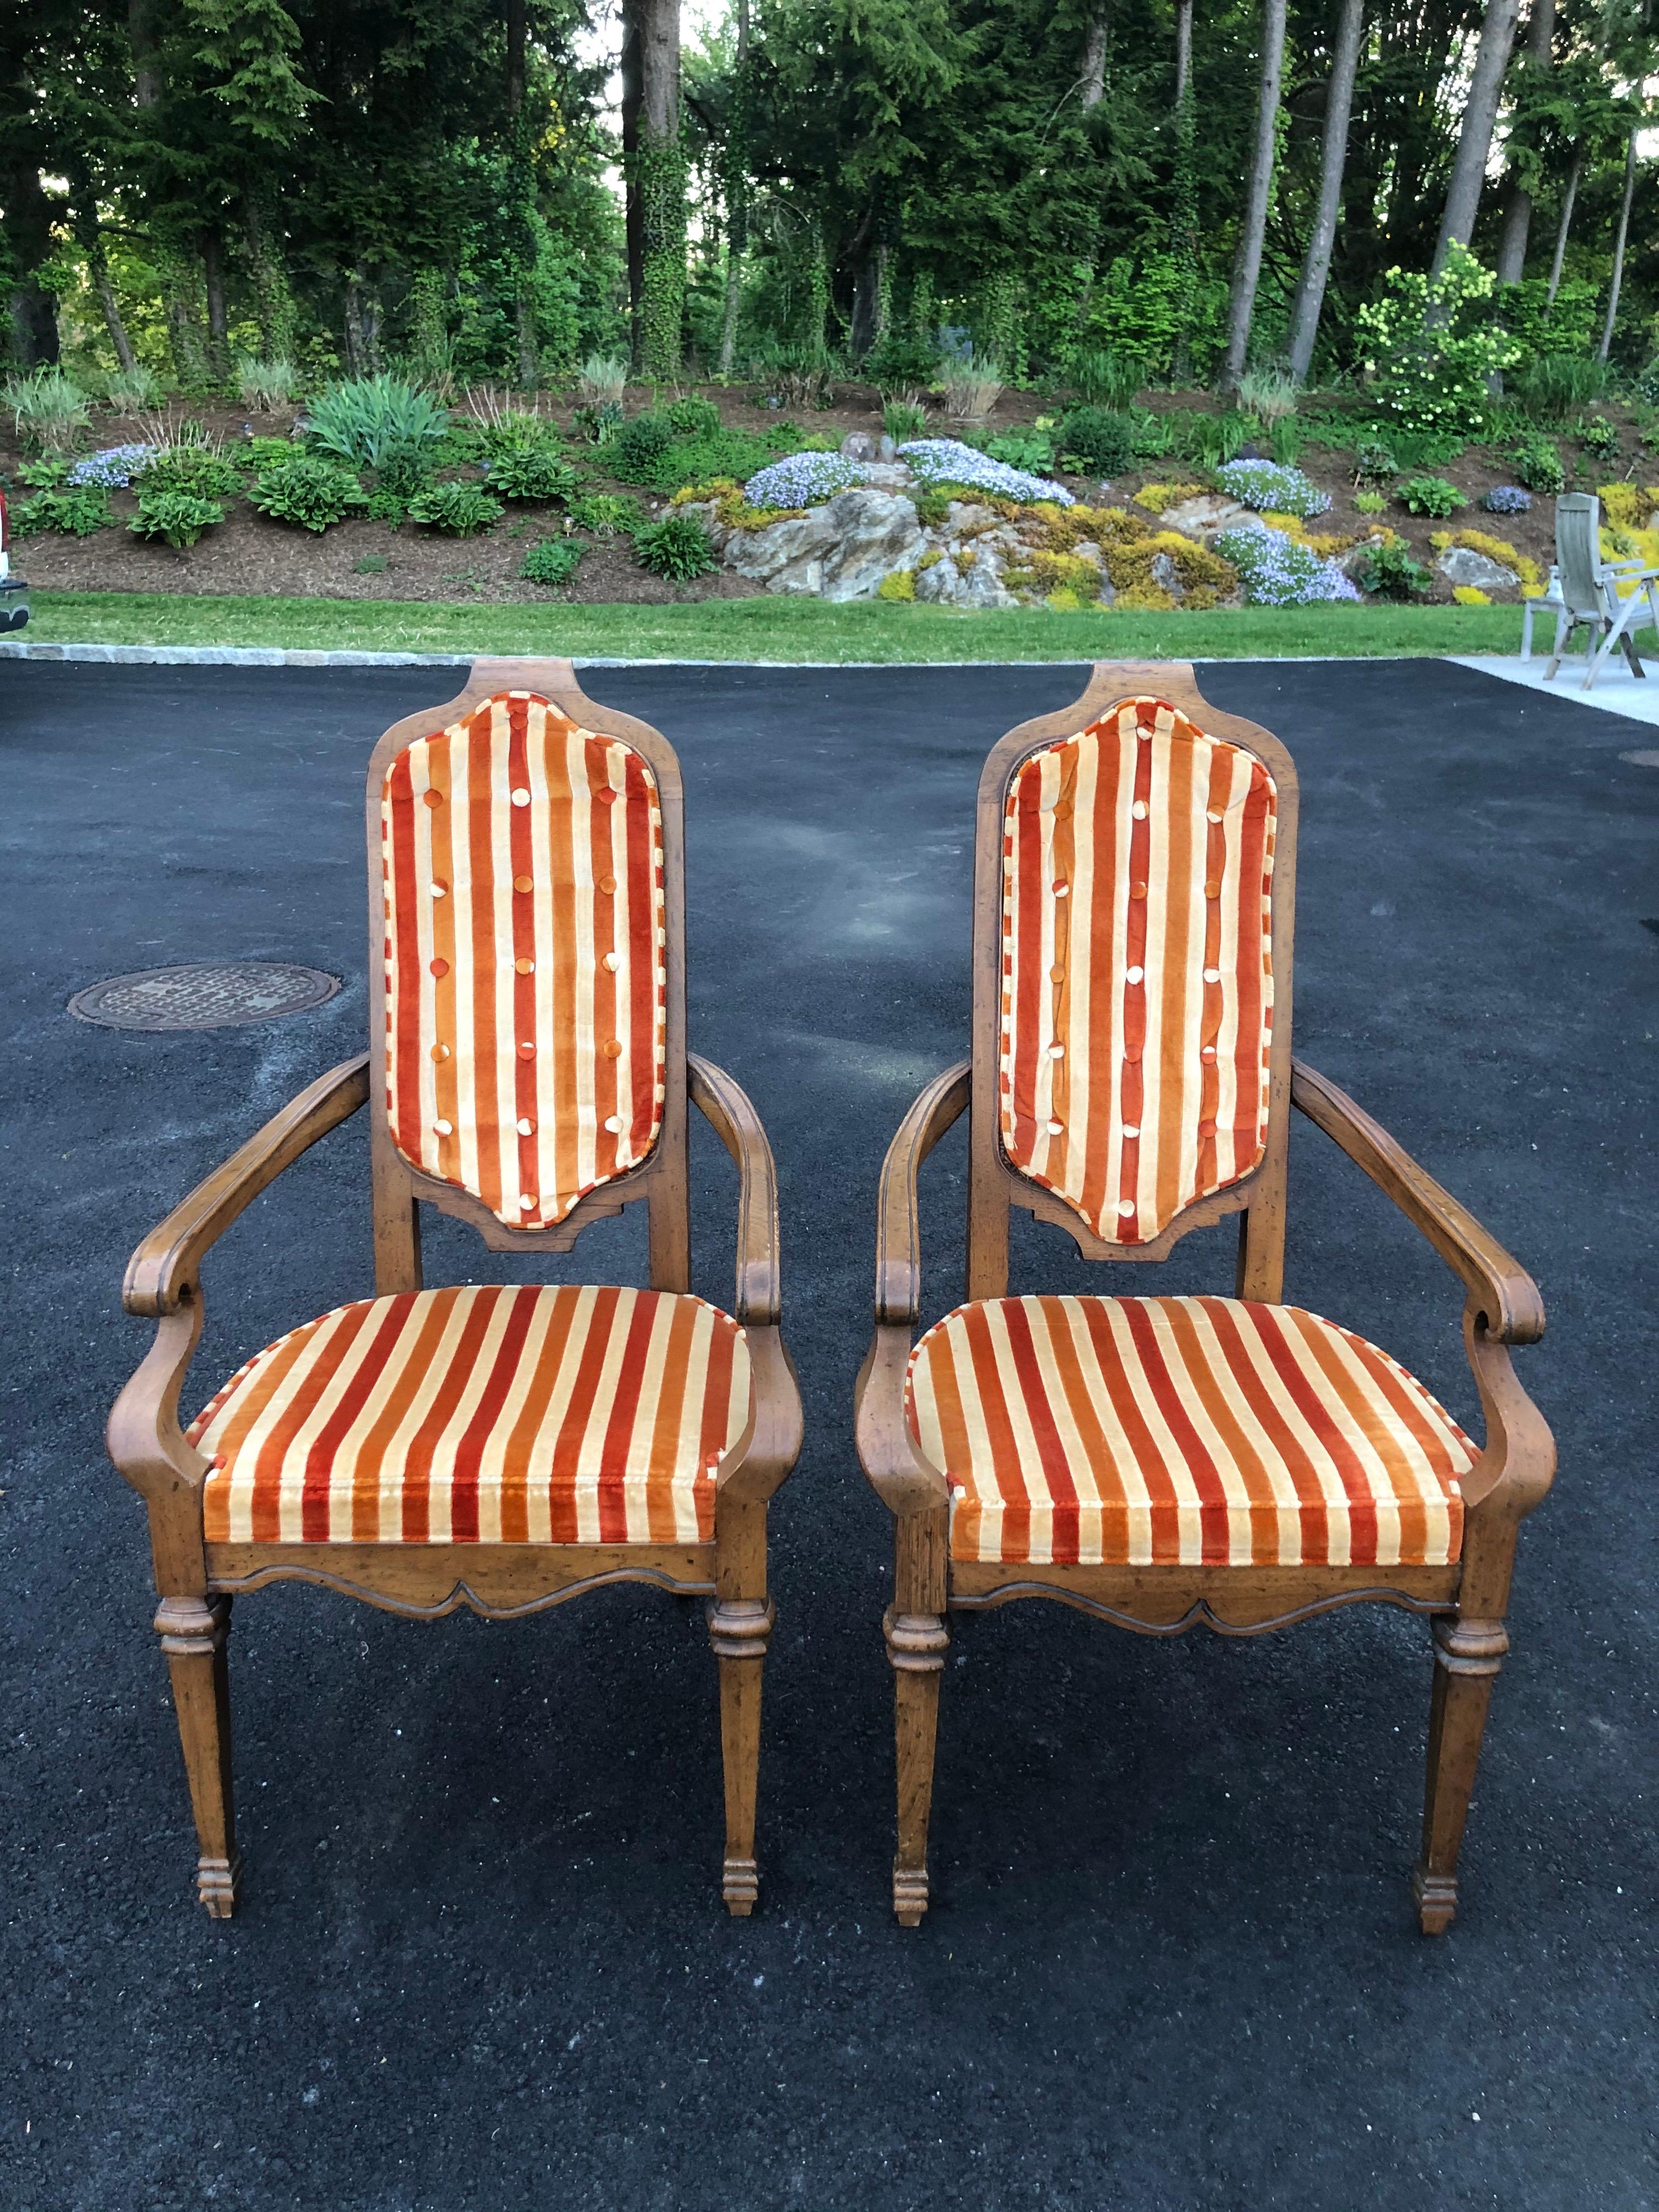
{"x":1137,"y":972}
{"x":494,"y":1414}
{"x":1181,"y":1432}
{"x":526,"y":958}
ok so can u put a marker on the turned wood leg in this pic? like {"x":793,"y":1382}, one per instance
{"x":1467,"y":1654}
{"x":193,"y":1632}
{"x":916,"y":1645}
{"x":737,"y":1630}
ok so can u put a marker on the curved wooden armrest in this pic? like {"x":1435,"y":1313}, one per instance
{"x":725,"y":1105}
{"x":1500,"y":1289}
{"x":904,"y":1480}
{"x":162,"y":1272}
{"x":898,"y":1236}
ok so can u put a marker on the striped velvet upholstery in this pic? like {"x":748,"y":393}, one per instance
{"x":491,"y":1414}
{"x":1182,"y":1431}
{"x":1137,"y":976}
{"x":526,"y":984}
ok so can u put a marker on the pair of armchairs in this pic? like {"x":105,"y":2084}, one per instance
{"x":1155,"y":1462}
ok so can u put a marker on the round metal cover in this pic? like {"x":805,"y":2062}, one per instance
{"x":209,"y":995}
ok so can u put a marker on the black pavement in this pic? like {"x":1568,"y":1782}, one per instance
{"x":481,"y":1961}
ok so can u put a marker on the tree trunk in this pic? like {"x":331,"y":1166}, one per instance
{"x":1475,"y":140}
{"x":1247,"y":270}
{"x":1517,"y":210}
{"x":362,"y":326}
{"x":1563,"y":226}
{"x":655,"y":170}
{"x":1094,"y":61}
{"x":1620,"y":237}
{"x":1334,"y":156}
{"x":271,"y":287}
{"x":146,"y":64}
{"x":1183,"y":50}
{"x":28,"y":235}
{"x":737,"y":195}
{"x":218,"y":317}
{"x":529,"y":364}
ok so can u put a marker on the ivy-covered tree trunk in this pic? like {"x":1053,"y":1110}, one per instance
{"x":28,"y":240}
{"x":737,"y":194}
{"x":519,"y":161}
{"x":654,"y":163}
{"x":1247,"y":269}
{"x":271,"y":290}
{"x":1518,"y":205}
{"x":218,"y":312}
{"x":1480,"y":118}
{"x":1094,"y":60}
{"x":1621,"y":238}
{"x":1334,"y":156}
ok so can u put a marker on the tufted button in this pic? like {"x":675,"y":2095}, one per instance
{"x":1206,"y":1128}
{"x":440,"y":890}
{"x":524,"y":967}
{"x":1139,"y":810}
{"x":611,"y":1048}
{"x":613,"y":1123}
{"x":1056,"y":1051}
{"x":527,"y":1204}
{"x":1213,"y":814}
{"x":1145,"y":734}
{"x":1135,"y":975}
{"x":440,"y":1052}
{"x":1212,"y":974}
{"x":433,"y":798}
{"x":1061,"y":889}
{"x":522,"y":797}
{"x":1131,"y":1053}
{"x":607,"y":884}
{"x":1056,"y":975}
{"x":526,"y":1127}
{"x":613,"y":961}
{"x":1056,"y":1127}
{"x":526,"y":1052}
{"x":1212,"y":889}
{"x":1063,"y":810}
{"x":1137,"y":891}
{"x":1208,"y":1053}
{"x":1126,"y":1207}
{"x":522,"y":883}
{"x":445,"y":1128}
{"x":1131,"y":1130}
{"x":441,"y":968}
{"x":609,"y":794}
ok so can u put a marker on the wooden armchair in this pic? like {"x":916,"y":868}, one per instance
{"x":496,"y":1447}
{"x":1158,"y":1462}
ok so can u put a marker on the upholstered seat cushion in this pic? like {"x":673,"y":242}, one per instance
{"x":1182,"y":1431}
{"x":490,"y":1414}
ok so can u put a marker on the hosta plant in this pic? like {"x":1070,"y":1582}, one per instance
{"x":458,"y":510}
{"x":308,"y":491}
{"x":677,"y":548}
{"x":77,"y":512}
{"x":177,"y":518}
{"x":531,"y":472}
{"x":552,"y":562}
{"x":1432,"y":495}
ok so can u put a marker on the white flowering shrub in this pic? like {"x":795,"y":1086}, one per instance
{"x":947,"y":460}
{"x":1271,"y":488}
{"x":802,"y":480}
{"x":1277,"y":571}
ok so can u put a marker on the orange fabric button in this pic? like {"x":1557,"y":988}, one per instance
{"x":613,"y":1050}
{"x":522,"y":883}
{"x":440,"y":1052}
{"x":607,"y":884}
{"x":440,"y":967}
{"x":524,"y":967}
{"x":1056,"y":975}
{"x":1137,"y":891}
{"x":1206,"y":1128}
{"x":609,"y":794}
{"x":434,"y":797}
{"x":1212,"y":889}
{"x":526,"y":1052}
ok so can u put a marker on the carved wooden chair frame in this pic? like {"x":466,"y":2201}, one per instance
{"x":1466,"y":1601}
{"x":197,"y":1580}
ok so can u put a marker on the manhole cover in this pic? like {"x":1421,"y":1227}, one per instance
{"x":1646,"y":758}
{"x":206,"y":995}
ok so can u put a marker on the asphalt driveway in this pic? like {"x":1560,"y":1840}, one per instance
{"x":481,"y":1962}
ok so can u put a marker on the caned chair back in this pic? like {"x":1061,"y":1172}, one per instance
{"x":526,"y":905}
{"x":1578,"y":553}
{"x":1134,"y":919}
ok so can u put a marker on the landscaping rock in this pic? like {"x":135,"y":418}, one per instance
{"x":1205,"y":518}
{"x":978,"y":583}
{"x":859,"y":445}
{"x":875,"y":532}
{"x":886,"y":451}
{"x":1461,"y":564}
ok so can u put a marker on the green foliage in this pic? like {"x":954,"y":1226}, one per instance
{"x":78,"y":512}
{"x":1101,"y":439}
{"x":126,"y":390}
{"x":693,"y":417}
{"x":1149,"y":304}
{"x":532,"y":472}
{"x":1375,"y":463}
{"x":1563,"y":332}
{"x":904,"y":418}
{"x":1389,"y":571}
{"x":179,"y":518}
{"x":200,"y":470}
{"x":253,"y":454}
{"x":458,"y":510}
{"x":370,"y":418}
{"x":1023,"y":448}
{"x":48,"y":409}
{"x":660,"y":172}
{"x":1209,"y":441}
{"x":639,"y":444}
{"x":1554,"y":384}
{"x":1538,"y":466}
{"x":265,"y":386}
{"x":552,"y":561}
{"x":648,"y":451}
{"x":1598,"y":436}
{"x":308,"y":491}
{"x":1431,"y":353}
{"x":1369,"y":502}
{"x":1435,"y":495}
{"x":678,"y":547}
{"x":605,"y":513}
{"x":900,"y":360}
{"x":602,"y":422}
{"x":404,"y":472}
{"x":1103,"y":377}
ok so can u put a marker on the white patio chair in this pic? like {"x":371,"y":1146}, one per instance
{"x":1590,"y":590}
{"x":1548,"y":602}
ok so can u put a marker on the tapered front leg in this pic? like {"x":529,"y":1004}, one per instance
{"x":193,"y":1632}
{"x":739,"y":1630}
{"x":1467,"y":1654}
{"x":916,"y":1645}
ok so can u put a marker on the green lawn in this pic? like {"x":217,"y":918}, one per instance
{"x":764,"y":629}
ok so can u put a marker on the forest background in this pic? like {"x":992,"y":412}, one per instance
{"x":187,"y":185}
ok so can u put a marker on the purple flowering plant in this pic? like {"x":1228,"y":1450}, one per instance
{"x":1270,"y":487}
{"x":113,"y":468}
{"x":1507,"y":499}
{"x":801,"y":480}
{"x":1276,"y":572}
{"x":948,"y":461}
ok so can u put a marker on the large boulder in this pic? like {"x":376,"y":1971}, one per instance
{"x":875,"y":532}
{"x":1461,"y":564}
{"x":977,"y":582}
{"x":1206,"y":517}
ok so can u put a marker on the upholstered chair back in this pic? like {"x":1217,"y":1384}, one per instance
{"x":525,"y":969}
{"x":1137,"y":967}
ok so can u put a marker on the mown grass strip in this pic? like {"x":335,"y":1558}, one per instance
{"x":765,"y":629}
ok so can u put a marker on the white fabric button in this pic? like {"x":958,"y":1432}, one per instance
{"x":612,"y":961}
{"x":526,"y":1204}
{"x":1136,"y":974}
{"x":613,"y":1123}
{"x":521,"y":799}
{"x":1208,"y":1053}
{"x":1132,"y":1128}
{"x":445,"y":1128}
{"x":526,"y":1128}
{"x":1139,"y":810}
{"x":1126,"y":1207}
{"x":1212,"y":974}
{"x":1056,"y":1051}
{"x":1060,"y":890}
{"x":1054,"y":1128}
{"x":441,"y":891}
{"x":1212,"y":816}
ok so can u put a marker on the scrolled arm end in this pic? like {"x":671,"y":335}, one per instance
{"x":898,"y":1242}
{"x":727,"y":1109}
